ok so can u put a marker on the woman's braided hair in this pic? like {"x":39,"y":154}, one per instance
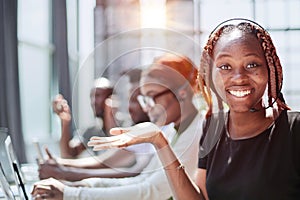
{"x":273,"y":62}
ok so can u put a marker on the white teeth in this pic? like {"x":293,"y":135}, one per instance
{"x":240,"y":93}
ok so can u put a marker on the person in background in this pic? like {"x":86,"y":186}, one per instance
{"x":256,"y":151}
{"x":72,"y":147}
{"x":134,"y":108}
{"x":117,"y":163}
{"x":167,"y":88}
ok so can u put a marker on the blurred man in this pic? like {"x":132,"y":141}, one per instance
{"x":117,"y":163}
{"x":72,"y":147}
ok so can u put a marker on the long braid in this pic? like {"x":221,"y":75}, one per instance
{"x":204,"y":73}
{"x":202,"y":80}
{"x":274,"y":67}
{"x":268,"y":48}
{"x":273,"y":62}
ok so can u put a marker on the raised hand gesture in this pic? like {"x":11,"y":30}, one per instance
{"x":61,"y":108}
{"x":146,"y":132}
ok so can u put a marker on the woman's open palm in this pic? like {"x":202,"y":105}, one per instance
{"x":122,"y":137}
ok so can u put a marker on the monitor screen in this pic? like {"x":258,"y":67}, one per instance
{"x":15,"y":167}
{"x":5,"y":185}
{"x":6,"y":165}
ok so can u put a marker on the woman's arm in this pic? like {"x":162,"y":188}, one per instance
{"x":182,"y":186}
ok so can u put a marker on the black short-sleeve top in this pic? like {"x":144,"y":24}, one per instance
{"x":266,"y":166}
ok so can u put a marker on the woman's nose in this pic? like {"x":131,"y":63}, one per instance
{"x":239,"y":75}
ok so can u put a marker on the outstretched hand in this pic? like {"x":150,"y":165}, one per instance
{"x":145,"y":132}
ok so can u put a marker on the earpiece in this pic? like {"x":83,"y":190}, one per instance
{"x":181,"y":95}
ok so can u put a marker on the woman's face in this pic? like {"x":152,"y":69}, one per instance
{"x":240,"y":73}
{"x":166,"y":108}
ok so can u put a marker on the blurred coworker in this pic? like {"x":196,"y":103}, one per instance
{"x":73,"y":147}
{"x":111,"y":164}
{"x":167,"y":89}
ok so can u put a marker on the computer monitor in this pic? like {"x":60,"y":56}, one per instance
{"x":6,"y":165}
{"x":5,"y":186}
{"x":15,"y":168}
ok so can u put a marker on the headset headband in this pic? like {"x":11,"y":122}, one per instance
{"x":235,"y":21}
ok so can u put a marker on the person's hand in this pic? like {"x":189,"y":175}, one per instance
{"x":61,"y":108}
{"x":48,"y":189}
{"x":51,"y":168}
{"x":146,"y":132}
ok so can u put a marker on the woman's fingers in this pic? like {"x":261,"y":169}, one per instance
{"x":116,"y":144}
{"x":143,"y":130}
{"x":118,"y":130}
{"x":139,"y":130}
{"x":99,"y":143}
{"x":99,"y":140}
{"x":124,"y":137}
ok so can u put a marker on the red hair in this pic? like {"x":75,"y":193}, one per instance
{"x":181,"y":64}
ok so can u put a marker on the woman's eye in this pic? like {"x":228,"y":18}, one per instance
{"x":252,"y":65}
{"x":224,"y":67}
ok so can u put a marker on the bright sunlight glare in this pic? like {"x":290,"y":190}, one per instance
{"x":153,"y":13}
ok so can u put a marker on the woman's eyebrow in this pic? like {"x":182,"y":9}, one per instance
{"x":222,"y":55}
{"x":252,"y":54}
{"x":228,"y":55}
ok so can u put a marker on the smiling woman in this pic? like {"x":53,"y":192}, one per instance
{"x":260,"y":60}
{"x":240,"y":64}
{"x":254,"y":154}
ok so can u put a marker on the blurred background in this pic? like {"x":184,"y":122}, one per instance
{"x":59,"y":46}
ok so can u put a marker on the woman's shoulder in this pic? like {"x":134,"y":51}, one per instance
{"x":294,"y":124}
{"x":294,"y":114}
{"x":294,"y":118}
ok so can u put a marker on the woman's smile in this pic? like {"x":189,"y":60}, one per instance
{"x":239,"y":93}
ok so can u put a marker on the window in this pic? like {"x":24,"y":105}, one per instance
{"x":38,"y":82}
{"x":35,"y":52}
